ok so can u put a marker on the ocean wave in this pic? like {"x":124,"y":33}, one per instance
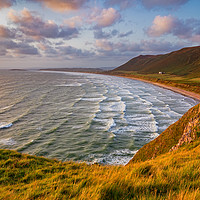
{"x":117,"y":157}
{"x":107,"y":124}
{"x":5,"y":108}
{"x":116,"y":98}
{"x":7,"y":142}
{"x":119,"y":107}
{"x":94,"y":99}
{"x":5,"y":125}
{"x":70,"y":85}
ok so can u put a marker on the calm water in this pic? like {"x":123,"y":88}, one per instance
{"x":83,"y":117}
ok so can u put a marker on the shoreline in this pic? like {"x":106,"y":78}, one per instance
{"x":186,"y":93}
{"x":192,"y":95}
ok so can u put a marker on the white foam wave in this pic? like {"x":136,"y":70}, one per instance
{"x":8,"y":141}
{"x":117,"y":98}
{"x":107,"y":124}
{"x":6,"y":108}
{"x":124,"y":93}
{"x":95,"y":99}
{"x":141,"y":126}
{"x":154,"y":135}
{"x":70,"y":85}
{"x":140,"y":118}
{"x":113,"y":106}
{"x":5,"y":125}
{"x":117,"y":157}
{"x":78,"y":126}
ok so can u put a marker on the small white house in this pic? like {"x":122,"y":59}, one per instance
{"x":161,"y":72}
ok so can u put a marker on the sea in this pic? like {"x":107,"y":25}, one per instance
{"x":83,"y":117}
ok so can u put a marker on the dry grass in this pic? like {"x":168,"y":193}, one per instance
{"x":171,"y":176}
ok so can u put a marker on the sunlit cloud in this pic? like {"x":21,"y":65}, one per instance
{"x":161,"y":25}
{"x":6,"y":32}
{"x":62,"y":5}
{"x":6,"y":3}
{"x":105,"y":17}
{"x":33,"y":25}
{"x":74,"y":22}
{"x":188,"y":29}
{"x":104,"y":45}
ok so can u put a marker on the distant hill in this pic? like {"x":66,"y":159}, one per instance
{"x":182,"y":62}
{"x":185,"y":130}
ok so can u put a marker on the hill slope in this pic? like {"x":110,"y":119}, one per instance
{"x":182,"y":62}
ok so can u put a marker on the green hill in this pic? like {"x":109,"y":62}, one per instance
{"x":173,"y":175}
{"x":182,"y":62}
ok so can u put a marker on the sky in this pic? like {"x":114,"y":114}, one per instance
{"x":86,"y":33}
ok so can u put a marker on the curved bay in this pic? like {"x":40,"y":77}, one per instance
{"x":83,"y":117}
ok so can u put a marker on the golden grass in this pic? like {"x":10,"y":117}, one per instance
{"x":173,"y":175}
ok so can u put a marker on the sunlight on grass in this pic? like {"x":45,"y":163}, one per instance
{"x":174,"y":175}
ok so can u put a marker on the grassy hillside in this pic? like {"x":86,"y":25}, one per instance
{"x":170,"y":175}
{"x":182,"y":68}
{"x":185,"y":62}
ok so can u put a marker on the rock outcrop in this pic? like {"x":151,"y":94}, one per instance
{"x":189,"y":134}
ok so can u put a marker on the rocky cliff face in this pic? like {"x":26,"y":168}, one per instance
{"x":190,"y":133}
{"x":185,"y":130}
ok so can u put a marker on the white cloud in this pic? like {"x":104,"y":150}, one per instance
{"x":104,"y":17}
{"x":161,"y":25}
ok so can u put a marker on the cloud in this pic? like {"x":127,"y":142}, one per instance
{"x":16,"y":49}
{"x":31,"y":25}
{"x":149,"y":4}
{"x":71,"y":52}
{"x":108,"y":49}
{"x":122,"y":4}
{"x":105,"y":17}
{"x":6,"y":32}
{"x":25,"y":49}
{"x":104,"y":45}
{"x":161,"y":25}
{"x":73,"y":22}
{"x":125,"y":34}
{"x":6,"y":3}
{"x":62,"y":5}
{"x":188,"y":29}
{"x":99,"y":34}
